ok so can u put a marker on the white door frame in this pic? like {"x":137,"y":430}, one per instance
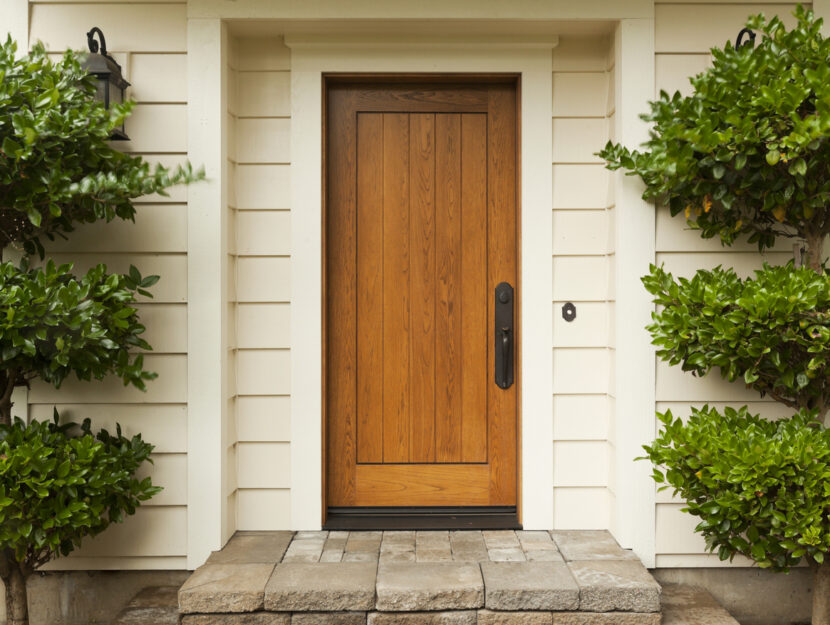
{"x":531,"y":58}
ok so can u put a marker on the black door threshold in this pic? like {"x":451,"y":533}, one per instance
{"x":432,"y":518}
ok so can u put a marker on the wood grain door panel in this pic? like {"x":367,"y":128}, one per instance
{"x":420,"y":228}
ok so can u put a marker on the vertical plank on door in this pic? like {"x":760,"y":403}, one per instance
{"x":448,"y":266}
{"x":474,"y":302}
{"x":501,"y":241}
{"x":396,"y":288}
{"x":340,"y":300}
{"x":422,"y":286}
{"x":369,"y":287}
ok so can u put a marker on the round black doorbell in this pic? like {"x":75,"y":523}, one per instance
{"x":568,"y":312}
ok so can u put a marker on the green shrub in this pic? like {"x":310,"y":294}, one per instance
{"x":749,"y":151}
{"x":53,"y":324}
{"x":60,"y":484}
{"x":760,"y":488}
{"x":771,"y":331}
{"x":56,"y":165}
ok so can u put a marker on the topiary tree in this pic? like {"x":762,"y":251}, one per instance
{"x":748,"y":154}
{"x":60,"y":484}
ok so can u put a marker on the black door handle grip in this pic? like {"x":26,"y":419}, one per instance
{"x":503,"y":331}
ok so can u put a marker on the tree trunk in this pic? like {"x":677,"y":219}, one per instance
{"x":17,"y":604}
{"x":7,"y":388}
{"x":815,"y":251}
{"x":821,"y":593}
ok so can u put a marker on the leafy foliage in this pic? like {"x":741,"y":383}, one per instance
{"x":749,"y":151}
{"x":56,"y":166}
{"x":53,"y":324}
{"x":60,"y":484}
{"x":772,"y":331}
{"x":759,"y":487}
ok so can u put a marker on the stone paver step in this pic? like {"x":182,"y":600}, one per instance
{"x":423,"y":577}
{"x":156,"y":605}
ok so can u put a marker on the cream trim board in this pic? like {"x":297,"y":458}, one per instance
{"x":535,"y":68}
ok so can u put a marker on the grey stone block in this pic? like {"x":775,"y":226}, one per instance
{"x":415,"y":586}
{"x":148,"y":616}
{"x":590,"y":545}
{"x":609,"y":618}
{"x":543,"y":556}
{"x":501,"y":539}
{"x":245,"y":548}
{"x":323,"y":586}
{"x":488,"y":617}
{"x":525,"y":586}
{"x":506,"y":555}
{"x":457,"y":617}
{"x":328,"y":618}
{"x":225,"y":588}
{"x":611,"y":585}
{"x":255,"y":618}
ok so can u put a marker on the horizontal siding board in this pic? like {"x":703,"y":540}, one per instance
{"x":263,"y":419}
{"x":744,"y":263}
{"x":157,"y":128}
{"x":164,"y":426}
{"x":580,"y":463}
{"x":578,"y":232}
{"x":263,"y":372}
{"x":769,"y":409}
{"x":580,"y":417}
{"x":580,"y":94}
{"x":672,"y":71}
{"x":262,"y":54}
{"x":581,"y":508}
{"x":158,"y":78}
{"x":580,"y":186}
{"x":263,"y":509}
{"x":263,"y":279}
{"x":137,"y":563}
{"x":263,"y":140}
{"x":263,"y":186}
{"x":157,"y":228}
{"x":581,"y":54}
{"x":166,"y":327}
{"x":175,"y":195}
{"x":169,"y":387}
{"x":128,"y":26}
{"x":674,"y":384}
{"x":576,"y":140}
{"x":580,"y":278}
{"x":588,"y":329}
{"x":264,"y":325}
{"x":264,"y":465}
{"x":263,"y":94}
{"x":696,"y":27}
{"x":580,"y":371}
{"x":263,"y":233}
{"x":170,"y":472}
{"x":674,"y":235}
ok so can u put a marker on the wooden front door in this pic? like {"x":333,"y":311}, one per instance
{"x":420,"y":227}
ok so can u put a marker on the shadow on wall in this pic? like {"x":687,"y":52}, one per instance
{"x":753,"y":596}
{"x":88,"y":597}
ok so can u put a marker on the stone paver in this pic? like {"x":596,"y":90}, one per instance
{"x":157,"y":605}
{"x":488,"y":617}
{"x":306,"y":547}
{"x":225,"y":588}
{"x":433,"y":546}
{"x":429,"y":586}
{"x":468,"y":546}
{"x":689,"y":605}
{"x":615,"y":585}
{"x":536,"y":540}
{"x":521,"y":586}
{"x":255,"y":618}
{"x":501,"y":539}
{"x":365,"y":543}
{"x":458,"y":617}
{"x":328,"y":618}
{"x":609,"y":618}
{"x":245,"y":548}
{"x":590,"y":545}
{"x":318,"y":587}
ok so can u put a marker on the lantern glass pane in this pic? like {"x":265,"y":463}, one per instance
{"x":101,"y":89}
{"x":116,"y":95}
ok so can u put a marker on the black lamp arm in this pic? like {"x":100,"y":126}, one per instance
{"x":93,"y":45}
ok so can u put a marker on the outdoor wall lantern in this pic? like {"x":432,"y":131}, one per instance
{"x":110,"y":82}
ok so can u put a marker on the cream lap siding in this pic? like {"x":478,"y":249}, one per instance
{"x":582,"y":264}
{"x":263,"y":290}
{"x":150,"y":45}
{"x":684,"y":32}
